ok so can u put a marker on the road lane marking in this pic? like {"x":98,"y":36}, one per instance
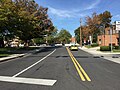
{"x":46,"y":82}
{"x":82,"y":70}
{"x":33,"y":64}
{"x":79,"y":68}
{"x":79,"y":72}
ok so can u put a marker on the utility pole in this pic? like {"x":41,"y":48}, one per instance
{"x":111,"y":28}
{"x":80,"y":33}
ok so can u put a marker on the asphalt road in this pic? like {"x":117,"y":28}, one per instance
{"x":59,"y":69}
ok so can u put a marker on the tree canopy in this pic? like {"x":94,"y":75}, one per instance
{"x":24,"y":19}
{"x":64,"y":36}
{"x":93,"y":24}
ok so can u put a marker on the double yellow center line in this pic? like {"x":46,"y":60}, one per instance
{"x":83,"y":75}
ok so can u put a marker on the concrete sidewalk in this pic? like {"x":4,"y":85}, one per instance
{"x":95,"y":51}
{"x":112,"y":56}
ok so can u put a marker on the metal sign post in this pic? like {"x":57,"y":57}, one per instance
{"x":111,"y":37}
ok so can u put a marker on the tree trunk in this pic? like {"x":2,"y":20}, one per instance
{"x":26,"y":43}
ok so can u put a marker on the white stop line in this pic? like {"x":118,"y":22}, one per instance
{"x":46,"y":82}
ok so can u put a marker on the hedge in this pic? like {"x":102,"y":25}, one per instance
{"x":94,"y":45}
{"x":117,"y":47}
{"x":105,"y":48}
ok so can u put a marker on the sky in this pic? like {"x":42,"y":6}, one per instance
{"x":66,"y":14}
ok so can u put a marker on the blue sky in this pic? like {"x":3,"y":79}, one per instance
{"x":67,"y":13}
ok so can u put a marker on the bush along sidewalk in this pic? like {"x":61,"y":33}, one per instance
{"x":105,"y":48}
{"x":108,"y":48}
{"x":92,"y":45}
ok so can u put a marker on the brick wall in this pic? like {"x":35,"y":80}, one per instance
{"x":73,"y":40}
{"x":104,"y":40}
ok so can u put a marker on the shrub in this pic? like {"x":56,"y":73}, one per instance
{"x":94,"y":45}
{"x":117,"y":47}
{"x":105,"y":48}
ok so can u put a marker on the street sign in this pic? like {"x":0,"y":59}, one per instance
{"x":117,"y":25}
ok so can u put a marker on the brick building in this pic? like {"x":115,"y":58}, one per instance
{"x":104,"y":39}
{"x":73,"y":40}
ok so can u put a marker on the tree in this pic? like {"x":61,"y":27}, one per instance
{"x":24,"y":26}
{"x":52,"y":36}
{"x":77,"y":34}
{"x":39,"y":41}
{"x":37,"y":22}
{"x":6,"y":18}
{"x":105,"y":18}
{"x":24,"y":19}
{"x":84,"y":32}
{"x":93,"y":25}
{"x":64,"y":36}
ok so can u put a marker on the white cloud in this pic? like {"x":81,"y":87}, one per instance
{"x":73,"y":12}
{"x":117,"y":16}
{"x":93,"y":5}
{"x":66,"y":13}
{"x":59,"y":12}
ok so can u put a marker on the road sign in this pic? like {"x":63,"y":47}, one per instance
{"x":117,"y":25}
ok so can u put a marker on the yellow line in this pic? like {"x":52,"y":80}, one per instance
{"x":79,"y":67}
{"x":82,"y":70}
{"x":79,"y":72}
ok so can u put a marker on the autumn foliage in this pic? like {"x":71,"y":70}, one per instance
{"x":93,"y":25}
{"x":24,"y":19}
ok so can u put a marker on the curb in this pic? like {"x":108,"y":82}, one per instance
{"x":11,"y":57}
